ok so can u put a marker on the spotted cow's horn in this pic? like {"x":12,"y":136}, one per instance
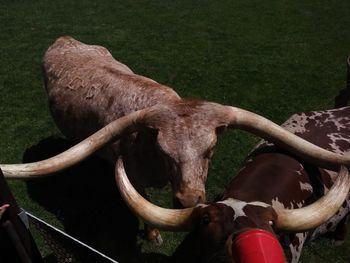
{"x":314,"y":215}
{"x":162,"y":218}
{"x":258,"y":125}
{"x":79,"y":152}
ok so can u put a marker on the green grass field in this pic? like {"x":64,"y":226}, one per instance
{"x":275,"y":58}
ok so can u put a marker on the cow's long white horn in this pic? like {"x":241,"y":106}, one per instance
{"x":162,"y":218}
{"x":258,"y":125}
{"x":314,"y":215}
{"x":78,"y":152}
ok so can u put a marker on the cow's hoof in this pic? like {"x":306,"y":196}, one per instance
{"x":155,"y":237}
{"x":158,"y":241}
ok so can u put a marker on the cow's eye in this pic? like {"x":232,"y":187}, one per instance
{"x":206,"y":219}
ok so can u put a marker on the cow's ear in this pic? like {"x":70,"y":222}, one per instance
{"x":220,"y":129}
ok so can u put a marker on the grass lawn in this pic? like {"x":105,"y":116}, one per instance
{"x":274,"y":58}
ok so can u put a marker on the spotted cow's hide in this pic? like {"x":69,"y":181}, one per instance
{"x":287,"y":182}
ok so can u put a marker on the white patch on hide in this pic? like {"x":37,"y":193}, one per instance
{"x":296,"y":250}
{"x":336,"y":138}
{"x":306,"y":187}
{"x":279,"y":205}
{"x":238,"y":205}
{"x":296,"y":123}
{"x":301,"y":169}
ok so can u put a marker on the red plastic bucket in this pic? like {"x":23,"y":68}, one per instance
{"x":257,"y":246}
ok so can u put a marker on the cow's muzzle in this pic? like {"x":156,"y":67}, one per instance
{"x":257,"y":246}
{"x":189,"y":198}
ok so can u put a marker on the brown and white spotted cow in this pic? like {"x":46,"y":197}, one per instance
{"x":271,"y":181}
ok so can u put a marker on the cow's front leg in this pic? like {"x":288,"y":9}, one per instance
{"x":152,"y":234}
{"x":142,"y":174}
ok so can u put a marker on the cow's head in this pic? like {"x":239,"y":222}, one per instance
{"x":215,"y":226}
{"x":220,"y":229}
{"x":186,"y":137}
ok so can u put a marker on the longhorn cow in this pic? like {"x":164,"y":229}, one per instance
{"x":161,"y":136}
{"x":274,"y":191}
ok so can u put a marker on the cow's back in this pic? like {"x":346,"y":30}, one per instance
{"x":87,"y":88}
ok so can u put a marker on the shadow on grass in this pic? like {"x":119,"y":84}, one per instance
{"x":87,"y":202}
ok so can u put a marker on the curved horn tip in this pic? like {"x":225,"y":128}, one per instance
{"x":162,"y":218}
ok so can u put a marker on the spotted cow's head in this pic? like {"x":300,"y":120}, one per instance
{"x":216,"y":225}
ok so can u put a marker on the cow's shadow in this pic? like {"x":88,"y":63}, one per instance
{"x":85,"y":199}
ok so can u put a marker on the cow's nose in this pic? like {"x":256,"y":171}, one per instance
{"x":190,"y":198}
